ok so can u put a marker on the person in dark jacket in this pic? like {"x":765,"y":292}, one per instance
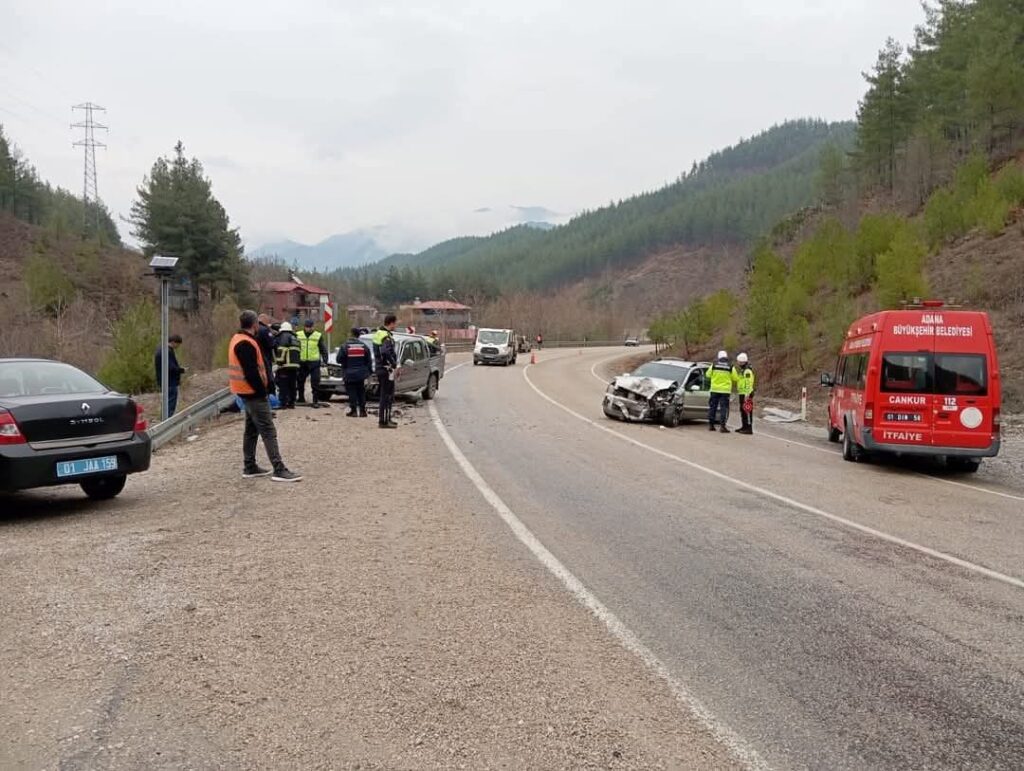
{"x":174,"y":372}
{"x":265,"y":337}
{"x":386,"y":357}
{"x":356,"y":359}
{"x":249,"y":378}
{"x":286,"y":359}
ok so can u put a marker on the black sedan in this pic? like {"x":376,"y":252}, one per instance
{"x":60,"y":426}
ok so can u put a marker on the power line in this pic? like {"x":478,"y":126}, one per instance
{"x":90,"y":188}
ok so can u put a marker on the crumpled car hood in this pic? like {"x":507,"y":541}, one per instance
{"x":643,"y":386}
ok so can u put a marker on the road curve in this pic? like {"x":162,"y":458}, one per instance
{"x":829,"y":615}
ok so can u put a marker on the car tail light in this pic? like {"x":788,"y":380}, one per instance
{"x":9,"y":431}
{"x":869,"y":413}
{"x":140,"y":419}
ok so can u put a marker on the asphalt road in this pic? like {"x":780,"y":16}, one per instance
{"x":830,"y":615}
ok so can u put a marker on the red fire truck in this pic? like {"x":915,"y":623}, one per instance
{"x":919,"y":381}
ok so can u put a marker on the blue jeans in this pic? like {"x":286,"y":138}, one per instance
{"x":172,"y":400}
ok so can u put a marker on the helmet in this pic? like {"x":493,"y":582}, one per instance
{"x":433,"y":333}
{"x":742,"y":358}
{"x":723,"y":355}
{"x":286,"y":327}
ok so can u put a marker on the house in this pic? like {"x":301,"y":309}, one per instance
{"x":363,"y":315}
{"x":285,"y":300}
{"x":453,"y":320}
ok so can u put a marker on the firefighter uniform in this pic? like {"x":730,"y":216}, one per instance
{"x":312,"y":351}
{"x":387,"y":366}
{"x":720,"y":375}
{"x":356,"y":359}
{"x":743,"y":376}
{"x":287,"y":357}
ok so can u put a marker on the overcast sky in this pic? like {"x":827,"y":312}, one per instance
{"x":315,"y":117}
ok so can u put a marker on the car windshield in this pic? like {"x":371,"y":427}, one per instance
{"x":493,"y":337}
{"x":659,"y":370}
{"x":45,"y":378}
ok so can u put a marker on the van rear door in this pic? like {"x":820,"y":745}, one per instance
{"x":964,"y":400}
{"x":905,"y":410}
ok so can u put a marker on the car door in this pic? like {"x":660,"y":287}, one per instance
{"x":696,"y":402}
{"x":414,"y":366}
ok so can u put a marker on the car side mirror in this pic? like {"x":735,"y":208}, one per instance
{"x":695,"y":387}
{"x":826,"y":380}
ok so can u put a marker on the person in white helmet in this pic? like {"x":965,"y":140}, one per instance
{"x":743,"y":377}
{"x":720,"y":375}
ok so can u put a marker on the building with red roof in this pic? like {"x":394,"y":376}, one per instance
{"x":285,"y":300}
{"x":452,"y":320}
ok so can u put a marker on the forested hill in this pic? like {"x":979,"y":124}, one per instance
{"x":730,"y":198}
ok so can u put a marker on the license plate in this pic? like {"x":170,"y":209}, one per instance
{"x":75,"y":468}
{"x":904,"y":417}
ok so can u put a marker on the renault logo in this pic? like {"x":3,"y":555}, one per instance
{"x":85,"y":408}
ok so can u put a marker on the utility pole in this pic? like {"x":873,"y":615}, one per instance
{"x":90,"y":191}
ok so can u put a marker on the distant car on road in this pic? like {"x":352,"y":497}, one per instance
{"x":632,"y":342}
{"x":666,"y":391}
{"x":421,"y":367}
{"x":60,"y":426}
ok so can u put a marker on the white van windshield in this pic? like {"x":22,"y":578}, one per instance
{"x":493,"y":337}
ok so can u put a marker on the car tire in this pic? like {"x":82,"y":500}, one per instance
{"x":834,"y":434}
{"x":475,"y":362}
{"x":966,"y":465}
{"x":431,"y":389}
{"x":670,"y":419}
{"x":103,"y":488}
{"x":611,"y":415}
{"x":852,"y":451}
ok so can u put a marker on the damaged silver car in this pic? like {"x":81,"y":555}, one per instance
{"x":666,"y":391}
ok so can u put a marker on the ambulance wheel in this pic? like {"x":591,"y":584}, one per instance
{"x":834,"y":434}
{"x":851,"y":450}
{"x":967,"y":465}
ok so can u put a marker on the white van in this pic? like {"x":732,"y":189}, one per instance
{"x":495,"y":346}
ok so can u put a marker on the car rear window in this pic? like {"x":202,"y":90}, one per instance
{"x":908,"y":373}
{"x":45,"y":378}
{"x":959,"y":374}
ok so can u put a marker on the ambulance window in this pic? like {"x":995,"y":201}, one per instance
{"x":960,"y":374}
{"x":906,"y":373}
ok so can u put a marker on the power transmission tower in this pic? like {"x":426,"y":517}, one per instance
{"x":90,"y":190}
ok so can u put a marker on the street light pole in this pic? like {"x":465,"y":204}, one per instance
{"x":163,"y":267}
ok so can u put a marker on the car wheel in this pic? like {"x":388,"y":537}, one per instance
{"x":475,"y":362}
{"x":612,"y":415}
{"x":834,"y":433}
{"x":967,"y":465}
{"x":431,"y":389}
{"x":103,"y":488}
{"x":851,"y":450}
{"x":670,"y":419}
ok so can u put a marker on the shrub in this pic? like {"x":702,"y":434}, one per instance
{"x":900,"y":270}
{"x":1010,"y":184}
{"x":943,"y":217}
{"x":49,"y":288}
{"x":128,"y":366}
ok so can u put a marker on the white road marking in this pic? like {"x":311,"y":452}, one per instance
{"x":626,"y":637}
{"x":962,"y":563}
{"x":452,"y":369}
{"x":816,"y":448}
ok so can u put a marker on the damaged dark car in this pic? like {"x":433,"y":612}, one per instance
{"x":665,"y":391}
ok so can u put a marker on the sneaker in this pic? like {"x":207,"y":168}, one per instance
{"x":711,"y":426}
{"x":284,"y":475}
{"x":315,"y":405}
{"x":351,"y":414}
{"x":255,"y":471}
{"x":362,"y":414}
{"x":388,"y":425}
{"x":724,"y":430}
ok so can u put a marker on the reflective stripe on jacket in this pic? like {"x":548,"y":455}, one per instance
{"x":720,"y":374}
{"x":744,"y":380}
{"x":236,"y":377}
{"x":309,"y":345}
{"x":287,"y":350}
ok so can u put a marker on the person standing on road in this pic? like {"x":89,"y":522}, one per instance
{"x":265,"y":337}
{"x":174,"y":372}
{"x":312,"y":353}
{"x":540,"y":342}
{"x":386,"y":356}
{"x":356,"y":359}
{"x":286,"y":356}
{"x":720,"y":375}
{"x":249,"y":379}
{"x":743,"y":377}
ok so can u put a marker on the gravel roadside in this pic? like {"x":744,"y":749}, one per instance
{"x":204,"y":621}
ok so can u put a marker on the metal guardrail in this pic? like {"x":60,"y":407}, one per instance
{"x":463,"y":347}
{"x":190,"y":417}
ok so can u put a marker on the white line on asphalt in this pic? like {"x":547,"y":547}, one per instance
{"x":452,"y":369}
{"x":971,"y":566}
{"x":787,"y":440}
{"x":626,"y":637}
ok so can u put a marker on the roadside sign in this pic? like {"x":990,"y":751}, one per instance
{"x":328,"y":314}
